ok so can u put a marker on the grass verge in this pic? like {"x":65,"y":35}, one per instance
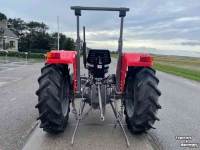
{"x":114,"y":55}
{"x":187,"y":68}
{"x":189,"y":74}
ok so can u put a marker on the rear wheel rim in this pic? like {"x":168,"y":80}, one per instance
{"x":129,"y":103}
{"x":65,"y":100}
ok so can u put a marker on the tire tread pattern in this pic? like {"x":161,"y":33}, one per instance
{"x":145,"y":100}
{"x":49,"y":98}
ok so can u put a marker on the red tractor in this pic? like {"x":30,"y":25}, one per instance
{"x":134,"y":83}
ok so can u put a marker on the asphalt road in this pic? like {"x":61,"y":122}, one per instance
{"x":18,"y":83}
{"x":179,"y":115}
{"x":91,"y":134}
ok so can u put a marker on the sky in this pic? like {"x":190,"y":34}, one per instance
{"x":156,"y":26}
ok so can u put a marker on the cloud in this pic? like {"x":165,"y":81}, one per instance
{"x":157,"y":24}
{"x":189,"y":43}
{"x":196,"y":18}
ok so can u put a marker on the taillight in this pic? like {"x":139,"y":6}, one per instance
{"x":55,"y":55}
{"x":52,"y":55}
{"x":146,"y":58}
{"x":100,"y":61}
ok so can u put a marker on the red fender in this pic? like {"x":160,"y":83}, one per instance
{"x":64,"y":57}
{"x":131,"y":59}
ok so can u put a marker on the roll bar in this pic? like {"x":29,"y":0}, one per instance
{"x":122,"y":14}
{"x":99,"y":8}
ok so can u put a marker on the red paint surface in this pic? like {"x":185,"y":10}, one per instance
{"x":131,"y":59}
{"x":66,"y":57}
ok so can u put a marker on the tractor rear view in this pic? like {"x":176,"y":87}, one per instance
{"x":134,"y":83}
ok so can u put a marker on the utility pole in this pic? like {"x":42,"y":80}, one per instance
{"x":58,"y":31}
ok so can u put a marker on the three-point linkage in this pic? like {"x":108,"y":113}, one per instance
{"x":102,"y":118}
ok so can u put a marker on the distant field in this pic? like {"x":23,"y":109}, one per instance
{"x":182,"y":67}
{"x":187,"y":67}
{"x":114,"y":55}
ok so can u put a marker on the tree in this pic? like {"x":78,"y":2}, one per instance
{"x":17,"y":25}
{"x":34,"y":26}
{"x":65,"y":43}
{"x":41,"y":41}
{"x":69,"y":44}
{"x":33,"y":35}
{"x":2,"y":16}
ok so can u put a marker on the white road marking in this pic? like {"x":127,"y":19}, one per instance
{"x":2,"y":83}
{"x":190,"y":83}
{"x":13,"y":99}
{"x":9,"y":77}
{"x":16,"y":80}
{"x":3,"y":67}
{"x":10,"y":82}
{"x":8,"y":69}
{"x":10,"y":64}
{"x":13,"y":63}
{"x":12,"y":68}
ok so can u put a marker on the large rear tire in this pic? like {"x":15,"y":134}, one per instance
{"x":53,"y":105}
{"x":141,"y":110}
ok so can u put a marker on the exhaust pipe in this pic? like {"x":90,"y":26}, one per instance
{"x":84,"y":48}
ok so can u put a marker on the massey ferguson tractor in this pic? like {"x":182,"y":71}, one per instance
{"x":134,"y":83}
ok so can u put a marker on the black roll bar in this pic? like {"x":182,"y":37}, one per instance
{"x":122,"y":14}
{"x":100,"y":8}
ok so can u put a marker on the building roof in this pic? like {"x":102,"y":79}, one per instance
{"x":7,"y":31}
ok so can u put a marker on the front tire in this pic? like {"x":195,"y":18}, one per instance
{"x":141,"y":110}
{"x":53,"y":105}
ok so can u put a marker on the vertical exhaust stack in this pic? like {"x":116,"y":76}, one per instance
{"x":84,"y":48}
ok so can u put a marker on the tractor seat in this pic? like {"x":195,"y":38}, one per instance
{"x":98,"y":62}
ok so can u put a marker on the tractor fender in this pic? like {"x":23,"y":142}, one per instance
{"x":131,"y":59}
{"x":65,"y":57}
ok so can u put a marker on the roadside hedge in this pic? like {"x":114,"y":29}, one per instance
{"x":22,"y":54}
{"x":34,"y":50}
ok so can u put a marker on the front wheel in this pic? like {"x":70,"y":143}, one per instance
{"x":141,"y":110}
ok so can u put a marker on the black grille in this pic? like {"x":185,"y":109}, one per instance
{"x":96,"y":53}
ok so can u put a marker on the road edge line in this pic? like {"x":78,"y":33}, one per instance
{"x":150,"y":140}
{"x":28,"y":138}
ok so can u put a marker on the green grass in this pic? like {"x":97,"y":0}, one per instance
{"x":114,"y":55}
{"x":187,"y":68}
{"x":186,"y":73}
{"x":177,"y":60}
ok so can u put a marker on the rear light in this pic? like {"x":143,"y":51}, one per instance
{"x":146,"y":58}
{"x":52,"y":55}
{"x":48,"y":55}
{"x":100,"y":61}
{"x":55,"y":55}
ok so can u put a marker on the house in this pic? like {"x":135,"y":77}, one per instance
{"x":8,"y":37}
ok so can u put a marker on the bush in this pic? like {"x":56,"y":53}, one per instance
{"x":34,"y":50}
{"x":22,"y":54}
{"x":2,"y":53}
{"x":35,"y":55}
{"x":23,"y":50}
